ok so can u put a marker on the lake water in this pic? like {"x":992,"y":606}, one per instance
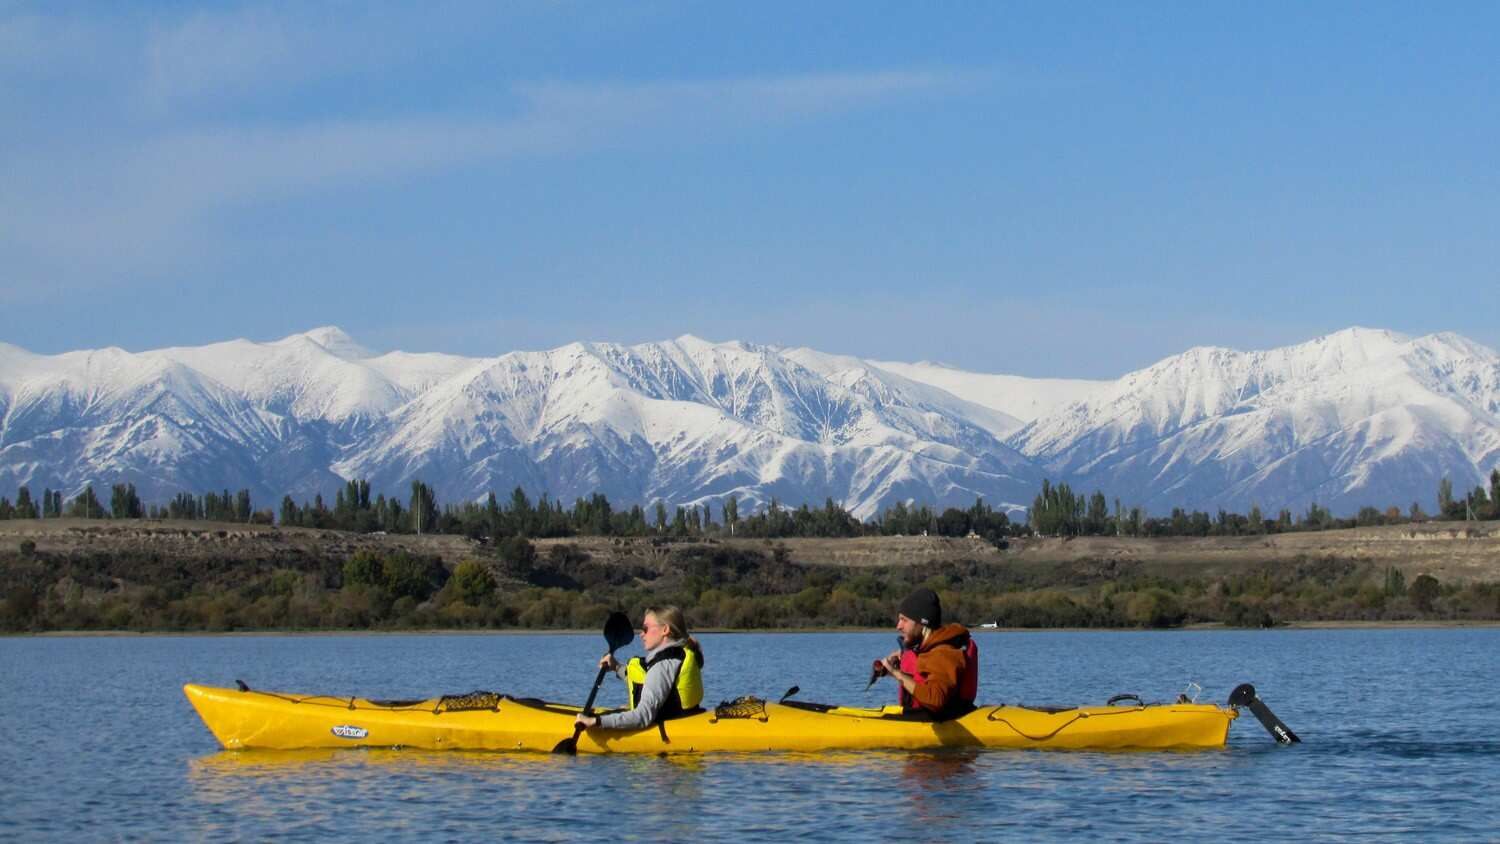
{"x":1398,"y":727}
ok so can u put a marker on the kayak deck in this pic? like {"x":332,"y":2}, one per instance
{"x":247,"y":718}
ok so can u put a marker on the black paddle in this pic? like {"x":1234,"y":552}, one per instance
{"x":1244,"y":695}
{"x":618,"y":633}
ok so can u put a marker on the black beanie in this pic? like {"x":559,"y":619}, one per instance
{"x":922,"y":605}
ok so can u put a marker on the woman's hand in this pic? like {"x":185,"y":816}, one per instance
{"x":585,"y":721}
{"x":608,"y":661}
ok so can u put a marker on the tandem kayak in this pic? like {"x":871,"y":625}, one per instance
{"x":250,"y":718}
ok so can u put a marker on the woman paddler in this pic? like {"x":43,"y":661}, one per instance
{"x":666,"y":682}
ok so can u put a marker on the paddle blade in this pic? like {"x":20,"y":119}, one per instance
{"x":617,"y":631}
{"x":1244,"y":695}
{"x":569,"y":745}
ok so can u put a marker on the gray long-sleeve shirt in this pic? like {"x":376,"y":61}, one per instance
{"x":661,"y":679}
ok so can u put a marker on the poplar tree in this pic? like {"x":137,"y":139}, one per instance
{"x":1494,"y":494}
{"x":86,"y":505}
{"x":424,"y":508}
{"x":25,"y":509}
{"x":124,"y":503}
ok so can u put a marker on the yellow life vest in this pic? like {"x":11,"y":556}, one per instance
{"x":688,"y":692}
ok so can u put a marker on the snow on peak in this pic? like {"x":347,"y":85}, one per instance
{"x":1019,"y":398}
{"x":1358,"y":416}
{"x":337,"y":342}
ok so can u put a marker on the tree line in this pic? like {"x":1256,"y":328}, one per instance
{"x":1059,"y":511}
{"x":353,"y":509}
{"x":1056,"y":511}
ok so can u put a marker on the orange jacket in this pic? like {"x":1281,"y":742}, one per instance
{"x":940,"y":666}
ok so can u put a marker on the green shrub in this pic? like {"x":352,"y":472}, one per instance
{"x":1423,"y":591}
{"x":365,"y":568}
{"x":472,"y":582}
{"x":1247,"y":614}
{"x":408,"y":576}
{"x":517,"y":553}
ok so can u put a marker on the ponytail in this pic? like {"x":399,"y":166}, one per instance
{"x":677,"y":628}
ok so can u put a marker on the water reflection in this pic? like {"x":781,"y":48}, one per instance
{"x":259,"y":762}
{"x":447,"y":794}
{"x":936,"y":769}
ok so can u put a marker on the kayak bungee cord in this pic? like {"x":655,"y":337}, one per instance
{"x":1077,"y":716}
{"x":477,"y":700}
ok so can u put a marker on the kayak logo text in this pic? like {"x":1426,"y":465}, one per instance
{"x":347,"y":731}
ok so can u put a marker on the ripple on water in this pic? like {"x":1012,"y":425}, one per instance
{"x":100,"y":743}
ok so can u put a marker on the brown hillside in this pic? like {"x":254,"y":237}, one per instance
{"x":1450,"y":551}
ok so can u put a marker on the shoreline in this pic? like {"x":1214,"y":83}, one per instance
{"x":1192,"y":628}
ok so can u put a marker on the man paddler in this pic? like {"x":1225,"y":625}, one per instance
{"x":937,"y":665}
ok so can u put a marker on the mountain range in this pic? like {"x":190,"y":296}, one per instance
{"x":1358,"y":417}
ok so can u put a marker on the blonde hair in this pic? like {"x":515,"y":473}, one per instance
{"x":676,"y":624}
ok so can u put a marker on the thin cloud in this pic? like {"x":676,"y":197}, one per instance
{"x":755,"y":98}
{"x":211,"y":52}
{"x":136,"y":206}
{"x":232,"y":165}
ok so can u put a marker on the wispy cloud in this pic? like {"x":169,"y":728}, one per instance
{"x":221,"y":52}
{"x":237,"y":164}
{"x":734,"y":99}
{"x":131,"y":203}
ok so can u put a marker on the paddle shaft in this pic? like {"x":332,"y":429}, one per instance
{"x":588,"y":705}
{"x":618,"y":633}
{"x":569,"y":745}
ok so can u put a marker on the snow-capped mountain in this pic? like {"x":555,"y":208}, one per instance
{"x":689,"y":422}
{"x":1358,"y":417}
{"x":686,"y":421}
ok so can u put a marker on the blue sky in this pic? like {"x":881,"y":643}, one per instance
{"x":1044,"y":189}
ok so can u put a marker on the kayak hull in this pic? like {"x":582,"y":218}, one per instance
{"x":486,"y":721}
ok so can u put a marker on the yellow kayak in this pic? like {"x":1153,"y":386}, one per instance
{"x":248,"y":718}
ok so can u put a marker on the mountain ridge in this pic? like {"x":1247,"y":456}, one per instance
{"x":1357,"y":417}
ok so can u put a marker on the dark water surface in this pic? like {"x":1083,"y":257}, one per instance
{"x":1399,"y":730}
